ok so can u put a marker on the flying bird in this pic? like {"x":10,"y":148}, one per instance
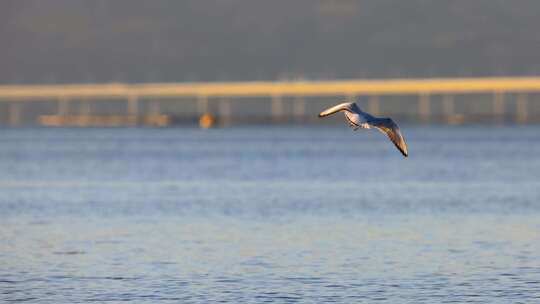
{"x":360,"y":119}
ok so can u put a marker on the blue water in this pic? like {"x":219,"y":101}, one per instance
{"x":270,"y":214}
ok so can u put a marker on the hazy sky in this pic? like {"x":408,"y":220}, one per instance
{"x":136,"y":40}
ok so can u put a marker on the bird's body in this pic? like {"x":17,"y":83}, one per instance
{"x":360,"y":119}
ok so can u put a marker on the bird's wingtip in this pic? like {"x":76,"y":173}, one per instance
{"x":403,"y":151}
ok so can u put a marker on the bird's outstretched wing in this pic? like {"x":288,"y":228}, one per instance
{"x":347,"y":106}
{"x":390,"y":128}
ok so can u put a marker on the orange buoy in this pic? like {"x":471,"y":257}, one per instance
{"x":206,"y":121}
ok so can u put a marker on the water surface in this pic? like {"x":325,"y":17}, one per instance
{"x":270,"y":214}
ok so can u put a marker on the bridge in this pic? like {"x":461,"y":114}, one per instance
{"x":63,"y":94}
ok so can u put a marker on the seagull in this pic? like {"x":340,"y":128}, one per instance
{"x":360,"y":119}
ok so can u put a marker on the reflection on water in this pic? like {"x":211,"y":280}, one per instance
{"x":270,"y":215}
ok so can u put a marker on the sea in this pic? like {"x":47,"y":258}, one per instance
{"x":270,"y":214}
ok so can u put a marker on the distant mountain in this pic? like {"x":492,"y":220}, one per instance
{"x":192,"y":40}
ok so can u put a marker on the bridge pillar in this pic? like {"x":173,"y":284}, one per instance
{"x":133,"y":109}
{"x":424,"y":108}
{"x":277,"y":108}
{"x":155,"y":108}
{"x":202,"y":104}
{"x":448,"y":107}
{"x":498,"y":106}
{"x":63,"y":106}
{"x":299,"y":107}
{"x":374,"y":106}
{"x":85,"y":114}
{"x":225,"y":112}
{"x":522,"y":106}
{"x":14,"y":115}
